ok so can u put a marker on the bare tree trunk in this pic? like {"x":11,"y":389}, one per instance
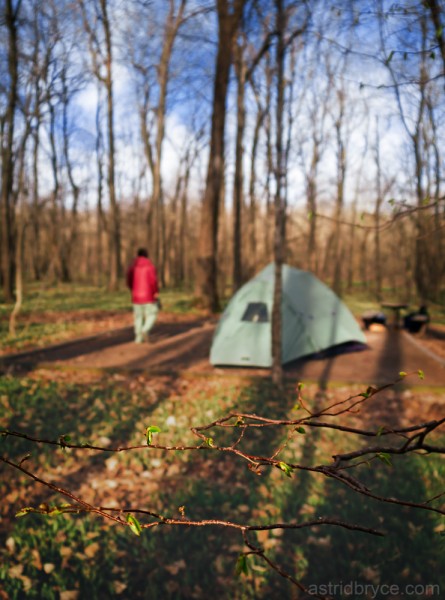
{"x":351,"y":246}
{"x":270,"y":168}
{"x":100,"y":217}
{"x":7,"y":159}
{"x":182,"y":253}
{"x":115,"y":231}
{"x":171,"y":30}
{"x":341,"y":178}
{"x":364,"y":260}
{"x":311,"y":192}
{"x":415,"y":128}
{"x":317,"y":126}
{"x":21,"y":222}
{"x":56,"y":221}
{"x":152,"y":129}
{"x":36,"y":257}
{"x":229,"y":15}
{"x":277,"y":367}
{"x":238,"y":200}
{"x":252,"y":191}
{"x":21,"y":226}
{"x":70,"y":237}
{"x":437,"y":239}
{"x":436,"y":12}
{"x":377,"y":221}
{"x":18,"y":279}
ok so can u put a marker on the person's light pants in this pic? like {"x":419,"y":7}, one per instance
{"x":144,"y":319}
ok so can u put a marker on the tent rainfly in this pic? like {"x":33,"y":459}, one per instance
{"x":314,"y":319}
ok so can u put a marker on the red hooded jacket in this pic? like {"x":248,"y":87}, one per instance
{"x":142,"y":281}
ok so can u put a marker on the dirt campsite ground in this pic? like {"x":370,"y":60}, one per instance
{"x":182,"y":343}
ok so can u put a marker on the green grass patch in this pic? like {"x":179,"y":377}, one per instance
{"x":53,"y":314}
{"x":39,"y":298}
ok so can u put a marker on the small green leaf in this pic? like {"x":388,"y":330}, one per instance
{"x":403,"y":374}
{"x":209,"y":442}
{"x":242,"y":568}
{"x":151,"y":429}
{"x":421,"y":374}
{"x":369,"y":392}
{"x":300,"y":429}
{"x":389,"y":59}
{"x":55,"y":511}
{"x":64,"y":439}
{"x":285,"y":468}
{"x":385,"y":457}
{"x":24,"y":511}
{"x":25,"y":458}
{"x":239,"y":421}
{"x":134,"y":524}
{"x":380,"y":430}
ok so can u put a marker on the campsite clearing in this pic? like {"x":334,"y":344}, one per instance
{"x":183,"y":344}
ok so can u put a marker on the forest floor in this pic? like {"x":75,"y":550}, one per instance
{"x":104,"y":387}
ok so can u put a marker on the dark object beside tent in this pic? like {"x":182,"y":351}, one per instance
{"x":372,"y":317}
{"x":417,"y":321}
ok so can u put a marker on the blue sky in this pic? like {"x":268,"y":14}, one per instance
{"x":365,"y":80}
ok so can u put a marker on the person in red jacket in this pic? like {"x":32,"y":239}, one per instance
{"x":142,"y":280}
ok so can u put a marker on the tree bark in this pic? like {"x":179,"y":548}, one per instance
{"x":115,"y":231}
{"x":436,"y":13}
{"x":8,"y":125}
{"x":377,"y":221}
{"x":229,"y":15}
{"x":70,"y":237}
{"x":100,"y":216}
{"x":261,"y":113}
{"x":240,"y":68}
{"x":277,"y":317}
{"x":55,"y":233}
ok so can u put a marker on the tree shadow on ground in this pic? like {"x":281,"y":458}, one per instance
{"x":106,"y":413}
{"x":28,"y":360}
{"x":164,"y":562}
{"x":181,"y":562}
{"x":340,"y":563}
{"x":410,"y":554}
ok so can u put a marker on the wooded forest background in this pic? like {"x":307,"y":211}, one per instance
{"x":219,"y":133}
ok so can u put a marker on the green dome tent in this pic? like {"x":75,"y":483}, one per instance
{"x":314,"y":319}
